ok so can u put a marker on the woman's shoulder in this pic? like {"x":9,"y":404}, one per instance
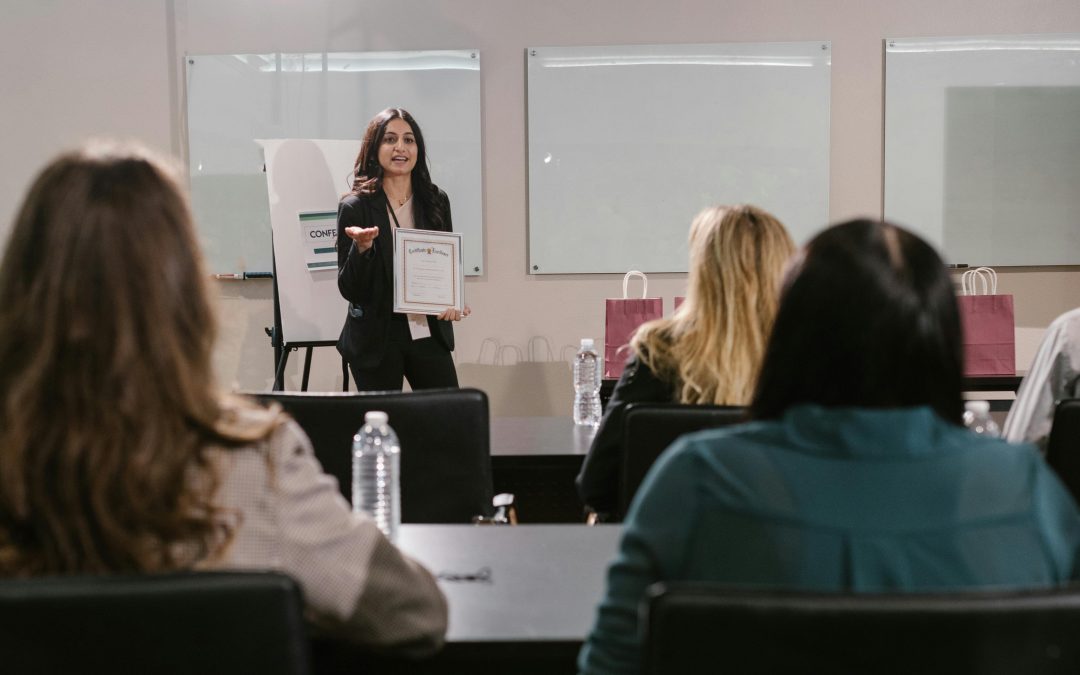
{"x":288,"y":439}
{"x":247,"y":422}
{"x":651,"y":350}
{"x":748,"y":434}
{"x":439,"y":193}
{"x":990,"y":450}
{"x":275,"y":458}
{"x":357,"y":200}
{"x":638,"y":371}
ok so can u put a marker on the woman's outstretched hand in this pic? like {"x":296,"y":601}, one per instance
{"x":363,"y":236}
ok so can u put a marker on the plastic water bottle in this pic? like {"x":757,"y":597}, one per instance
{"x":376,"y":468}
{"x":587,"y":385}
{"x":977,"y":418}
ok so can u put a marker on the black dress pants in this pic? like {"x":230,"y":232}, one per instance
{"x":425,"y":363}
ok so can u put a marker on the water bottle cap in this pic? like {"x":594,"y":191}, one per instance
{"x":586,"y":343}
{"x":978,"y":407}
{"x":376,"y":418}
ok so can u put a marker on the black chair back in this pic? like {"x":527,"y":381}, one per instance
{"x":648,"y":429}
{"x":699,"y":628}
{"x":162,"y":624}
{"x":1063,"y":446}
{"x":445,"y":439}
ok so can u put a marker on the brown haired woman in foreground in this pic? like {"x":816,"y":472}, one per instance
{"x":119,"y":453}
{"x":710,"y":350}
{"x":856,"y":474}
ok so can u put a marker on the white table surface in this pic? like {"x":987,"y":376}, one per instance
{"x":525,"y":582}
{"x":524,"y":436}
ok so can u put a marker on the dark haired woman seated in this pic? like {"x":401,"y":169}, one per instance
{"x":118,"y":453}
{"x":856,"y":473}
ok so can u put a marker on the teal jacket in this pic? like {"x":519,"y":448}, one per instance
{"x":837,"y":499}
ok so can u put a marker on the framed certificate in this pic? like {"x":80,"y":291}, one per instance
{"x":428,"y":273}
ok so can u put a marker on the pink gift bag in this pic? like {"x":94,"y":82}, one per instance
{"x":989,"y":325}
{"x":622,"y":317}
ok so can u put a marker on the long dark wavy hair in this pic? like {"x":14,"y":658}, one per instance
{"x":868,"y":319}
{"x":108,"y":401}
{"x":368,"y":173}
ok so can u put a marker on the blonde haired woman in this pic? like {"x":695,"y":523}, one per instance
{"x":119,"y":453}
{"x":710,"y":350}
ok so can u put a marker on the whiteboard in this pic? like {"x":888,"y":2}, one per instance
{"x":234,"y":99}
{"x":982,"y":146}
{"x":301,"y":178}
{"x":627,"y":144}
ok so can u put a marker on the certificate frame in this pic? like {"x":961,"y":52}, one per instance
{"x":429,"y":274}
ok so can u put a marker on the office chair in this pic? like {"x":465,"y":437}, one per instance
{"x":445,"y":439}
{"x":1063,"y":446}
{"x":648,"y":429}
{"x":163,"y":624}
{"x":698,"y":628}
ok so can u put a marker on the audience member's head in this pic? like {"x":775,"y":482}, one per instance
{"x":868,"y":319}
{"x":712,"y":346}
{"x":107,"y":395}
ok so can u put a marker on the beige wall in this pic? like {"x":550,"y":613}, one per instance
{"x":112,"y":73}
{"x":77,"y":69}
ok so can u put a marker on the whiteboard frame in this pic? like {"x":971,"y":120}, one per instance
{"x":233,"y":99}
{"x":918,"y":72}
{"x":614,"y":133}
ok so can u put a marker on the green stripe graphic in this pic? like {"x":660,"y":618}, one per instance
{"x":318,"y":215}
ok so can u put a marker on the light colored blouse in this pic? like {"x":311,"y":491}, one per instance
{"x":1054,"y":375}
{"x":293,"y":519}
{"x":418,"y":325}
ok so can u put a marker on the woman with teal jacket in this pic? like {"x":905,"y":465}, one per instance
{"x":856,"y":473}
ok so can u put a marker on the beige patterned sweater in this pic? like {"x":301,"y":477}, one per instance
{"x":356,"y":584}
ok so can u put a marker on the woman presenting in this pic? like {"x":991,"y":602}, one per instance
{"x":392,"y":188}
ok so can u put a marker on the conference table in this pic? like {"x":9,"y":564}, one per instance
{"x":1002,"y":389}
{"x":521,"y":599}
{"x":536,"y":459}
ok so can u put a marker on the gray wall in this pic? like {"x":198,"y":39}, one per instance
{"x":76,"y":68}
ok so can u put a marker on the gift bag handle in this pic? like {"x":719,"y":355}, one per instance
{"x":494,"y":354}
{"x":644,"y":283}
{"x":501,"y":359}
{"x":967,"y":282}
{"x":534,"y":352}
{"x":986,"y":275}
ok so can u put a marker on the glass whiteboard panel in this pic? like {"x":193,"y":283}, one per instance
{"x":627,"y":144}
{"x":982,"y":146}
{"x":235,"y":99}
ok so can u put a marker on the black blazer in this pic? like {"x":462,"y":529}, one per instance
{"x":366,"y":280}
{"x":598,"y":482}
